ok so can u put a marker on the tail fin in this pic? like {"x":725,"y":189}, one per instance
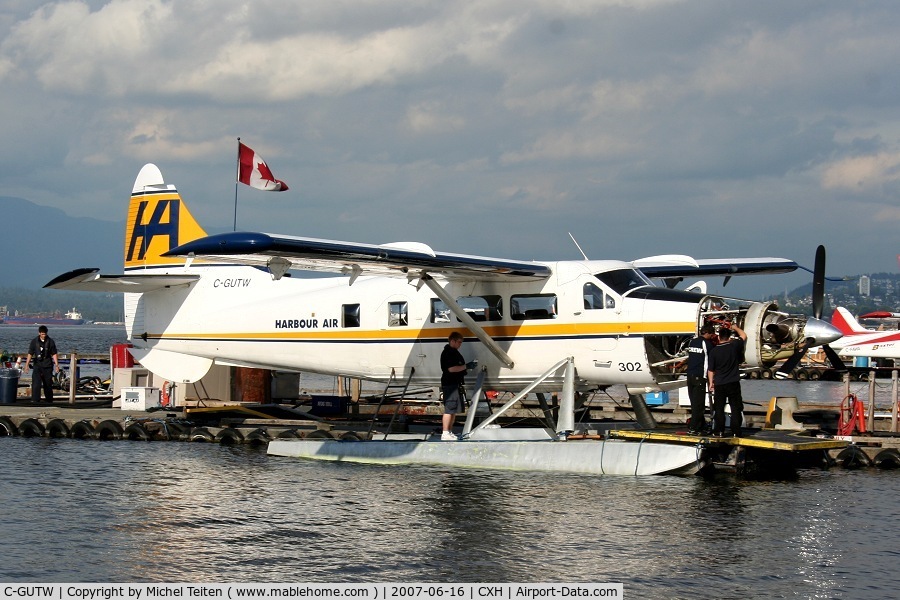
{"x":158,"y":220}
{"x":845,"y":322}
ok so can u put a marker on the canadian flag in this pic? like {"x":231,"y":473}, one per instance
{"x":253,"y":171}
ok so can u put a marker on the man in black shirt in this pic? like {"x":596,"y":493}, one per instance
{"x":697,"y":368}
{"x":43,"y":350}
{"x":725,"y":379}
{"x":453,"y":373}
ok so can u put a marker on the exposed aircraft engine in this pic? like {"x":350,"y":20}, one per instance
{"x":772,"y":335}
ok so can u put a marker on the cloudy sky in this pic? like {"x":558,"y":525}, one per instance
{"x":709,"y":128}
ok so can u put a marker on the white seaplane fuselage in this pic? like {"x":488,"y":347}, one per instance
{"x":378,"y":326}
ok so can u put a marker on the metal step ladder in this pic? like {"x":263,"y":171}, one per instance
{"x":392,"y":384}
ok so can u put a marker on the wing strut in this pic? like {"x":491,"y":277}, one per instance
{"x":467,"y":320}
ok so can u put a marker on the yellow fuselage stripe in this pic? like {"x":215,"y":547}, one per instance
{"x":500,"y":331}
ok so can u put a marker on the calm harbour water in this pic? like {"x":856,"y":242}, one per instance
{"x":83,"y":511}
{"x":120,"y":511}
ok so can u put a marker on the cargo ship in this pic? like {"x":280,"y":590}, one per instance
{"x":73,"y":317}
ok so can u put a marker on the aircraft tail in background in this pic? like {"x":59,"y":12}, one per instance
{"x":846,"y":323}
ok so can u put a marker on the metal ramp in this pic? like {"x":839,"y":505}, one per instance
{"x":400,"y":388}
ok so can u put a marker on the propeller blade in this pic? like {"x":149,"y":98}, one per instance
{"x":818,"y":289}
{"x":834,"y":359}
{"x":790,"y":364}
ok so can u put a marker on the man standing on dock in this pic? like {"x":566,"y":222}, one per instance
{"x":453,"y":373}
{"x":46,"y":362}
{"x":697,"y":383}
{"x":725,"y":379}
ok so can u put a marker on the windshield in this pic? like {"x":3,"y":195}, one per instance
{"x":623,"y":281}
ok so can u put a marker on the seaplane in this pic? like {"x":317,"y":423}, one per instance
{"x":859,"y":341}
{"x":193,"y":300}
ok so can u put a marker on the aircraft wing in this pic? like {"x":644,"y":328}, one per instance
{"x":402,"y":259}
{"x":670,"y":269}
{"x":92,"y":281}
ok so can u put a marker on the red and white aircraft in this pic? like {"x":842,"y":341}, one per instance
{"x":859,"y":341}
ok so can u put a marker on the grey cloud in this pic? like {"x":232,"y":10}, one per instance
{"x":726,"y":128}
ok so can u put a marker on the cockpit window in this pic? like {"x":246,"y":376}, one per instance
{"x":624,"y":280}
{"x":594,"y":298}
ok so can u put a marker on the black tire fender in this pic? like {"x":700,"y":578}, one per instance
{"x":889,"y":458}
{"x":258,"y":437}
{"x":136,"y":432}
{"x":853,"y":457}
{"x":108,"y":430}
{"x":319,"y":434}
{"x":350,"y":436}
{"x":289,"y":434}
{"x":229,"y":437}
{"x":57,"y":428}
{"x":8,"y":428}
{"x":31,"y":428}
{"x":82,"y":430}
{"x":201,"y":434}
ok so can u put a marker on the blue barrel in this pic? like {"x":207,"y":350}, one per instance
{"x":9,"y":385}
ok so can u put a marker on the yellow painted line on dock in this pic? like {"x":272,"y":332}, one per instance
{"x":767,"y":440}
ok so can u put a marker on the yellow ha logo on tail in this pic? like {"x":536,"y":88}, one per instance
{"x":158,"y":221}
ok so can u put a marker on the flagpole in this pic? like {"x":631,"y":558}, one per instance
{"x":237,"y":178}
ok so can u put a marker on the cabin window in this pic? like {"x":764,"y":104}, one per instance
{"x":350,"y":315}
{"x":533,"y":306}
{"x":482,"y":308}
{"x":398,"y":314}
{"x":594,"y":298}
{"x":440,"y":312}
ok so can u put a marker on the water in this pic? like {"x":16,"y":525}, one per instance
{"x":120,"y":511}
{"x":82,"y":511}
{"x":85,"y":339}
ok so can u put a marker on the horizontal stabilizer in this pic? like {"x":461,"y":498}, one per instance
{"x":91,"y":280}
{"x":173,"y":366}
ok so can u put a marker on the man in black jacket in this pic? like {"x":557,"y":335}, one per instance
{"x":43,"y":350}
{"x":697,"y":369}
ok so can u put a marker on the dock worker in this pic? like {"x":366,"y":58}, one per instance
{"x":453,"y":372}
{"x":46,"y":363}
{"x":725,"y":379}
{"x":697,"y":381}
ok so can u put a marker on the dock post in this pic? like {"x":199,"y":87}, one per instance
{"x":846,"y":378}
{"x":73,"y":376}
{"x":870,"y":422}
{"x":894,"y":401}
